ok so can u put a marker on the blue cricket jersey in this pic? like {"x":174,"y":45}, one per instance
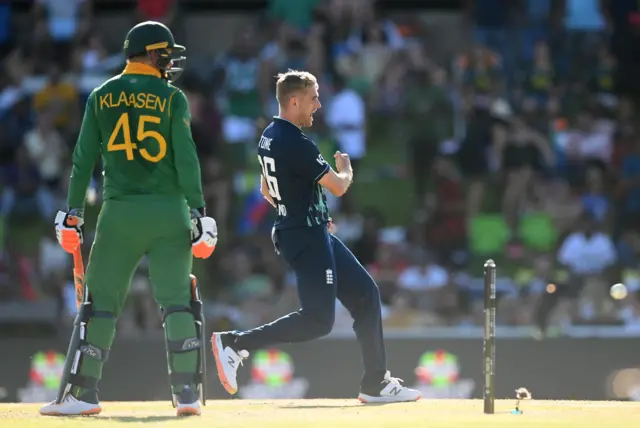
{"x":292,"y":166}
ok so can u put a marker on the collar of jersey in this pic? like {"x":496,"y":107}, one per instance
{"x":282,"y":118}
{"x":140,"y":68}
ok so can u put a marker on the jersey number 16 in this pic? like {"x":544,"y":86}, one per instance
{"x":268,"y":166}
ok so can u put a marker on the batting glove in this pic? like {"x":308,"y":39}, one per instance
{"x":69,"y":229}
{"x":204,"y":234}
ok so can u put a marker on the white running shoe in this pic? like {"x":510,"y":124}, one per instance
{"x":228,"y":360}
{"x":391,"y":391}
{"x":70,"y":406}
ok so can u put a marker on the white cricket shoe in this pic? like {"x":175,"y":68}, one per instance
{"x":228,"y":360}
{"x":188,"y":409}
{"x":391,"y":391}
{"x":70,"y":406}
{"x":187,"y":403}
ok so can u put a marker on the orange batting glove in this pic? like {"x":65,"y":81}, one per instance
{"x":69,"y":229}
{"x":204,"y":234}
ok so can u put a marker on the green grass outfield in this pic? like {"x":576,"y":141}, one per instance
{"x":341,"y":413}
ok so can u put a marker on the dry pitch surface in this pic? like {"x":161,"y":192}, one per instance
{"x":341,"y":413}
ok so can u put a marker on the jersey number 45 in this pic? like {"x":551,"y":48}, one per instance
{"x":129,"y":146}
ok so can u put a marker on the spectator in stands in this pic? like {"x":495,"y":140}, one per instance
{"x":206,"y":132}
{"x":60,"y":23}
{"x":485,"y":134}
{"x":288,"y":49}
{"x":386,"y":269}
{"x":365,"y":248}
{"x":583,"y":142}
{"x":490,"y":23}
{"x":23,"y":193}
{"x":402,"y":96}
{"x":427,"y":285}
{"x":540,"y":78}
{"x":428,"y":117}
{"x":538,"y":23}
{"x":595,"y":200}
{"x":47,"y":150}
{"x":585,"y":25}
{"x":483,"y":75}
{"x":251,"y":291}
{"x":20,"y":64}
{"x":60,"y":96}
{"x":92,"y":58}
{"x":10,"y":93}
{"x":237,"y":78}
{"x":629,"y":186}
{"x":588,"y":254}
{"x":373,"y":45}
{"x":523,"y":155}
{"x":298,"y":14}
{"x":387,"y":99}
{"x":345,"y":116}
{"x":447,"y":222}
{"x":13,"y":125}
{"x":54,"y":268}
{"x":602,"y":76}
{"x":350,"y":221}
{"x":560,"y":202}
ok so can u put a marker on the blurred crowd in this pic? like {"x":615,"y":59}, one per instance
{"x":521,"y":146}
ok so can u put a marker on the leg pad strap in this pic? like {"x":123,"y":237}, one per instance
{"x":83,"y":381}
{"x":87,"y":349}
{"x":185,"y":378}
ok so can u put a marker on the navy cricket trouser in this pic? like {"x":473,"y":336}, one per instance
{"x":325,"y":269}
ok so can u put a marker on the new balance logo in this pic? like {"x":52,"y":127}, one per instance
{"x":395,"y":390}
{"x":321,"y":160}
{"x":231,"y":362}
{"x":329,"y":276}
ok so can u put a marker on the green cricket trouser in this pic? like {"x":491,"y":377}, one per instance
{"x":129,"y":228}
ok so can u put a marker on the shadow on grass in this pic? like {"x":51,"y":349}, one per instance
{"x":319,"y":406}
{"x":141,"y":419}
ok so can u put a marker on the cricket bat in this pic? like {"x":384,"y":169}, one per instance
{"x":78,"y":276}
{"x":78,"y":268}
{"x":78,"y":280}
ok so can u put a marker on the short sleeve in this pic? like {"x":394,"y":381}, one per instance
{"x":308,"y":160}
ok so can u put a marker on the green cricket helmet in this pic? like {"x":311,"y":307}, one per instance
{"x":155,"y":40}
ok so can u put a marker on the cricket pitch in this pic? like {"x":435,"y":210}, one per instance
{"x":341,"y":413}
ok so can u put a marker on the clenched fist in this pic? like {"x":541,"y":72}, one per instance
{"x":343,"y":163}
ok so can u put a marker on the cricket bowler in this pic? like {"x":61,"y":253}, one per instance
{"x":294,"y":174}
{"x":153,"y":205}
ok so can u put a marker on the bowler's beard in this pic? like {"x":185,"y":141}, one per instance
{"x":306,"y":122}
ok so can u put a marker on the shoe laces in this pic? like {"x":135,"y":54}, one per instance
{"x":242,"y":355}
{"x":394,"y":380}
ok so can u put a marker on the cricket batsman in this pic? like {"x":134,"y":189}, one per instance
{"x":294,"y":174}
{"x":153,"y":205}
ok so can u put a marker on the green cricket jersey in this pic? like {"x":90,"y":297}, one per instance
{"x":141,"y":126}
